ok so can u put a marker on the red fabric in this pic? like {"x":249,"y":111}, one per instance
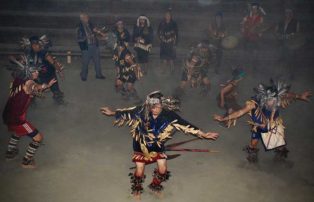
{"x":15,"y":110}
{"x":249,"y":24}
{"x":156,"y":181}
{"x":23,"y":129}
{"x":139,"y":157}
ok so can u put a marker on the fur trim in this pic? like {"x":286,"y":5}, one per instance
{"x":142,"y":17}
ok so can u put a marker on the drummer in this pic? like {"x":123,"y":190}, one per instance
{"x":286,"y":31}
{"x":249,"y":28}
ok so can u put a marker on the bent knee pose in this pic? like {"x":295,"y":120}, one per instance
{"x":128,"y":71}
{"x":36,"y":49}
{"x":266,"y":123}
{"x":152,"y":124}
{"x":23,"y":89}
{"x":227,"y":98}
{"x":194,"y":74}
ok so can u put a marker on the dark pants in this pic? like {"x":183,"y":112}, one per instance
{"x":92,"y":53}
{"x":47,"y":74}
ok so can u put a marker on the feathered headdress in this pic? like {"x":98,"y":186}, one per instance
{"x":238,"y":73}
{"x":157,"y":97}
{"x":276,"y":90}
{"x":22,"y":68}
{"x":26,"y":43}
{"x":142,"y":17}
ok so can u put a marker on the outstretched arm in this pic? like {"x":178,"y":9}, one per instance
{"x":237,"y":114}
{"x":123,"y":116}
{"x":58,"y":66}
{"x":188,"y":128}
{"x":305,"y":96}
{"x":107,"y":111}
{"x":32,"y":88}
{"x":290,"y":97}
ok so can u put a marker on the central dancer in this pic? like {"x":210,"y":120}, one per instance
{"x":152,"y":124}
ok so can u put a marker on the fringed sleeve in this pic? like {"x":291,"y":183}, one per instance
{"x":184,"y":126}
{"x":126,"y":116}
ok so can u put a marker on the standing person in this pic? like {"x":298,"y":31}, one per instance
{"x":128,"y":71}
{"x":36,"y":50}
{"x":266,"y":122}
{"x":152,"y":124}
{"x":88,"y":42}
{"x":250,"y":30}
{"x":217,"y":32}
{"x":143,"y":39}
{"x":168,"y":36}
{"x":23,"y":89}
{"x":287,"y":29}
{"x":121,"y":32}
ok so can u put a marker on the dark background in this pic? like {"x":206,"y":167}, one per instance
{"x":85,"y":159}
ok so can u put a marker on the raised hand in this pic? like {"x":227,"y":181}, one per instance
{"x":51,"y":82}
{"x":218,"y":118}
{"x":305,"y":96}
{"x":211,"y":135}
{"x":107,"y":111}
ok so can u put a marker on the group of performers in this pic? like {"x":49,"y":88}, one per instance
{"x":154,"y":120}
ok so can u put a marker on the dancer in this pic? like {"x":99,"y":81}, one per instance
{"x":143,"y":39}
{"x":152,"y":124}
{"x":36,"y":50}
{"x":168,"y":36}
{"x":227,"y":98}
{"x":23,"y":89}
{"x":128,"y":71}
{"x":195,"y":73}
{"x":266,"y":123}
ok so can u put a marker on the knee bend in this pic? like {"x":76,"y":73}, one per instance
{"x":38,"y":138}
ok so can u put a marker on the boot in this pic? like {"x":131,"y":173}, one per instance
{"x":281,"y":154}
{"x":252,"y":154}
{"x":58,"y":97}
{"x":158,"y":178}
{"x":136,"y":183}
{"x":28,"y":163}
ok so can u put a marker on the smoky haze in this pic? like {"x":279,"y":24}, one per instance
{"x":84,"y":158}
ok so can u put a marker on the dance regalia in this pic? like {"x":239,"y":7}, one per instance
{"x":149,"y":134}
{"x":126,"y":69}
{"x":267,"y":125}
{"x":47,"y":71}
{"x":194,"y":73}
{"x":142,"y":47}
{"x":14,"y":114}
{"x":122,"y":36}
{"x":230,"y":98}
{"x":168,"y":35}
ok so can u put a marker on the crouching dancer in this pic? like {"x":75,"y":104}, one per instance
{"x":23,"y":89}
{"x":128,"y":71}
{"x":152,"y":124}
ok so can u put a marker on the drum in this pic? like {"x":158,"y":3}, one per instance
{"x":111,"y":41}
{"x":229,"y":42}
